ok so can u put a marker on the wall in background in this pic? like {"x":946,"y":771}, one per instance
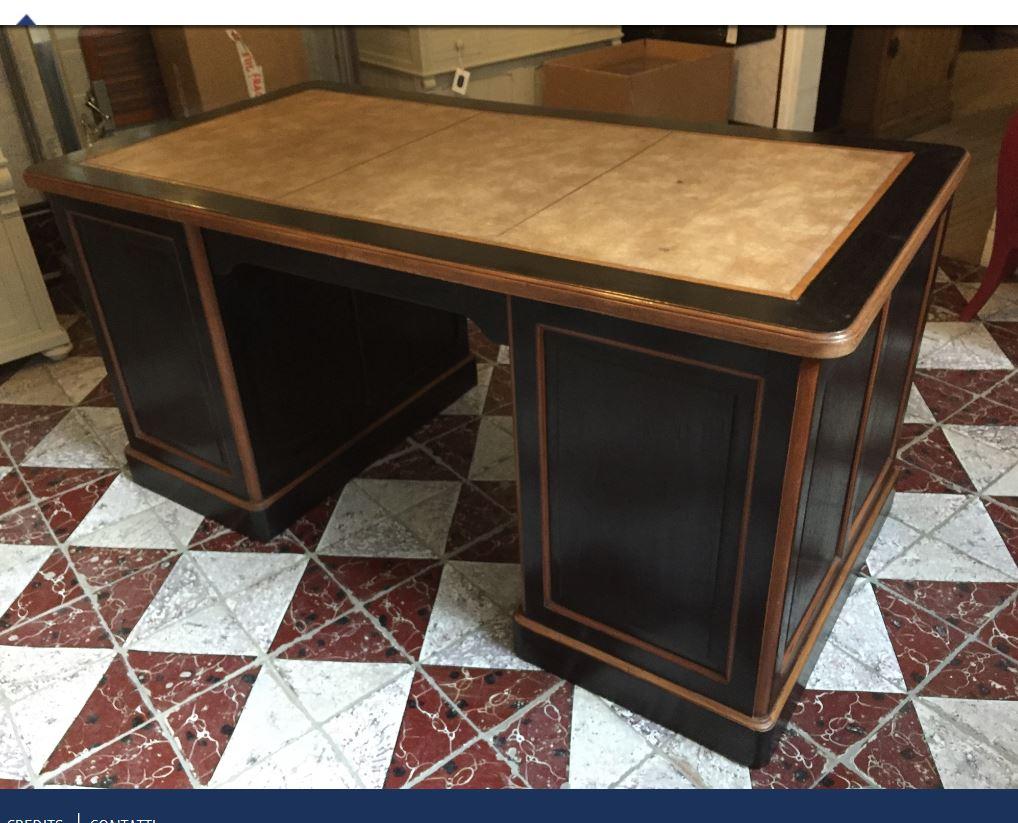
{"x":24,"y":142}
{"x":15,"y":143}
{"x":777,"y":81}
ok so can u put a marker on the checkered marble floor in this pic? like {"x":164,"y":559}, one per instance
{"x":369,"y":644}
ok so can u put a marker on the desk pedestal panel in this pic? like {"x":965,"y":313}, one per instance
{"x":692,"y":512}
{"x":249,"y":394}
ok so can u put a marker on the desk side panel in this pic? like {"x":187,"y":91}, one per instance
{"x":841,"y":403}
{"x":318,"y":363}
{"x":318,"y":358}
{"x":650,"y":474}
{"x":859,"y":409}
{"x":138,"y":282}
{"x":905,"y":323}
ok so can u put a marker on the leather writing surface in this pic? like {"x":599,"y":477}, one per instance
{"x":740,"y":213}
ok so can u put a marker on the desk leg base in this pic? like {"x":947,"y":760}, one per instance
{"x":636,"y":690}
{"x":263,"y":520}
{"x":747,"y":746}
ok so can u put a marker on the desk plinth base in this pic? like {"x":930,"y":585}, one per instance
{"x":736,"y":742}
{"x":263,"y":521}
{"x":746,"y":740}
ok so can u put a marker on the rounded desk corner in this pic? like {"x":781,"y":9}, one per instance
{"x":841,"y":343}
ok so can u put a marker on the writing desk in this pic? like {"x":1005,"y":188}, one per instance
{"x":713,"y":333}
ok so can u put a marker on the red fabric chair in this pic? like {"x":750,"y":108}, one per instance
{"x":1004,"y":259}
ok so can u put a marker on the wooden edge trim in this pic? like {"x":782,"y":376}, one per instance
{"x":626,"y":306}
{"x":885,"y":487}
{"x":516,"y":440}
{"x":850,"y":227}
{"x":759,"y":722}
{"x":864,"y":415}
{"x":882,"y":293}
{"x":597,"y":625}
{"x":86,"y":274}
{"x":224,"y":362}
{"x":860,"y":436}
{"x":794,"y":642}
{"x":266,"y":502}
{"x":921,"y":325}
{"x":118,"y":375}
{"x":788,"y":512}
{"x":858,"y":523}
{"x":208,"y":488}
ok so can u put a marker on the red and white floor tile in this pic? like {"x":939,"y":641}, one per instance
{"x":369,"y":644}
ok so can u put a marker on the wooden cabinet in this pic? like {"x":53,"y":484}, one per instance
{"x":124,"y":58}
{"x":899,"y":79}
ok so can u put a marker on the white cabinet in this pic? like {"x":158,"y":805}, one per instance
{"x":503,"y":60}
{"x":28,"y":323}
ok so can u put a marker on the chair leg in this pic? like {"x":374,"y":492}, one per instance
{"x":1002,"y":263}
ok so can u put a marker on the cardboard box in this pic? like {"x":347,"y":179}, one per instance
{"x":650,"y":78}
{"x":206,"y":67}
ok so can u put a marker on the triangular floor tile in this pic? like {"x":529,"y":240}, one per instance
{"x":47,"y":688}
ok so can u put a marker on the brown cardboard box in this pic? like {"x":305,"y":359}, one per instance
{"x":203,"y":70}
{"x":651,"y":78}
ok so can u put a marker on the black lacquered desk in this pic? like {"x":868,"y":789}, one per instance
{"x":712,"y":333}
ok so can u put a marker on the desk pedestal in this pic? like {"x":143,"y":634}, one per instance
{"x":250,"y":392}
{"x":693,"y":511}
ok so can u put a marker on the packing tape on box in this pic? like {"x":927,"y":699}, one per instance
{"x":253,"y":75}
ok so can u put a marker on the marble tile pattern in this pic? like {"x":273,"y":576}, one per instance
{"x":576,"y":189}
{"x":369,"y":644}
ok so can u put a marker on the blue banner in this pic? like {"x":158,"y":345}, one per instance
{"x":297,"y":806}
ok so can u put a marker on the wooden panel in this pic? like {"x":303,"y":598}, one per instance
{"x":151,"y":317}
{"x":298,"y":367}
{"x":684,"y":206}
{"x":917,"y":93}
{"x":896,"y":362}
{"x":637,"y":508}
{"x":898,"y":81}
{"x":840,"y":403}
{"x":646,"y":510}
{"x":980,"y":133}
{"x":125,"y":59}
{"x":402,"y":342}
{"x":318,"y":362}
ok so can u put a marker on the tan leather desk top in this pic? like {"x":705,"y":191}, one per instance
{"x":740,"y":213}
